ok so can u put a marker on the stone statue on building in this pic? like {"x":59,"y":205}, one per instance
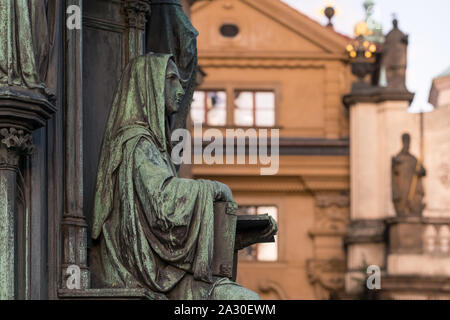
{"x":394,"y":58}
{"x":374,"y":29}
{"x":152,"y":229}
{"x":25,"y":44}
{"x":407,"y":188}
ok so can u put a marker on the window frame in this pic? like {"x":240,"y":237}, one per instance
{"x":254,"y":107}
{"x":231,"y":87}
{"x":205,"y":106}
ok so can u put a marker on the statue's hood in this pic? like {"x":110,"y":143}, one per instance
{"x":138,"y":109}
{"x":139,"y":98}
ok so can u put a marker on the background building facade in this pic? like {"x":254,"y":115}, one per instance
{"x":269,"y":66}
{"x":333,"y":193}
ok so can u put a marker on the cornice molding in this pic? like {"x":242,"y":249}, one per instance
{"x":366,"y":231}
{"x":301,"y":146}
{"x":376,"y":95}
{"x":24,"y":109}
{"x":307,"y":62}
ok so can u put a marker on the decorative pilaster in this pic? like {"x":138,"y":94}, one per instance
{"x":136,"y":11}
{"x":25,"y":105}
{"x":326,"y":271}
{"x":74,"y":226}
{"x":327,"y":277}
{"x":13,"y":144}
{"x":331,"y":214}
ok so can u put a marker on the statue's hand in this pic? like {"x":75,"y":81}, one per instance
{"x":422,"y":172}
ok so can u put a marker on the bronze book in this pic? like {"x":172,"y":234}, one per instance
{"x":224,"y":239}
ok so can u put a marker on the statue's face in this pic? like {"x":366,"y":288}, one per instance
{"x":173,"y":90}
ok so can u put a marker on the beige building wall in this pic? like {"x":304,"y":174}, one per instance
{"x":437,"y":150}
{"x":305,"y":64}
{"x":376,"y":129}
{"x":412,"y":252}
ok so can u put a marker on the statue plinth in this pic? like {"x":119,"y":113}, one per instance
{"x":24,"y":109}
{"x":405,"y":234}
{"x":365,"y":93}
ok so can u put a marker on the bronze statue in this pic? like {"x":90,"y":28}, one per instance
{"x":170,"y":31}
{"x":152,"y":229}
{"x":24,"y":45}
{"x":407,"y":189}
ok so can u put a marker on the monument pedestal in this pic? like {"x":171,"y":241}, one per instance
{"x":405,"y":235}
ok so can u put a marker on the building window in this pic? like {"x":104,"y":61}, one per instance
{"x":254,"y":108}
{"x":209,"y":107}
{"x":229,"y":30}
{"x":249,"y":108}
{"x":260,"y":251}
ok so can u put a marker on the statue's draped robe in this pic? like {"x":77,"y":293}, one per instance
{"x":24,"y":44}
{"x":154,"y":230}
{"x":394,"y":60}
{"x":404,"y":168}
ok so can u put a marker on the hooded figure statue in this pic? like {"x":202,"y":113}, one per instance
{"x":152,"y":229}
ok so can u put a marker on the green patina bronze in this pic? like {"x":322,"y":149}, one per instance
{"x":24,"y":52}
{"x":24,"y":44}
{"x":152,"y":229}
{"x":169,"y":30}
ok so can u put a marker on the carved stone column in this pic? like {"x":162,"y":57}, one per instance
{"x":13,"y":144}
{"x":136,"y":11}
{"x":74,"y":226}
{"x":21,"y":111}
{"x":326,"y":270}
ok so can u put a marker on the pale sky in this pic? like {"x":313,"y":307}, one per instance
{"x":426,"y":21}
